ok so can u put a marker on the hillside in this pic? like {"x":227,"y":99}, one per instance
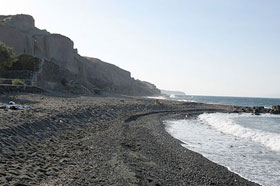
{"x":61,"y":68}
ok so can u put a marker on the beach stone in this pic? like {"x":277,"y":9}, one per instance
{"x":9,"y":178}
{"x":25,"y":177}
{"x":20,"y":184}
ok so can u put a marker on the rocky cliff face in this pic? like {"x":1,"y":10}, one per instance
{"x":63,"y":68}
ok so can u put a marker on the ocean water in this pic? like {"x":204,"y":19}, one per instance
{"x":246,"y":144}
{"x":241,"y":101}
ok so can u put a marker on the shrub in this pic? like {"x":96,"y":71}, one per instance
{"x":6,"y":58}
{"x":6,"y":55}
{"x":18,"y":82}
{"x":25,"y":62}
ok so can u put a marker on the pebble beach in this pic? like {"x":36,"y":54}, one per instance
{"x":101,"y":140}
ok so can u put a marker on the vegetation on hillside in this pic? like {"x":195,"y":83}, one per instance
{"x":25,"y":62}
{"x":9,"y":61}
{"x":6,"y":58}
{"x":7,"y":55}
{"x":18,"y":82}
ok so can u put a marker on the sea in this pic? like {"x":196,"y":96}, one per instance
{"x":248,"y":145}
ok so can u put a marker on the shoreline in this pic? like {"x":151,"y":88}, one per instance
{"x":80,"y":140}
{"x":194,"y":117}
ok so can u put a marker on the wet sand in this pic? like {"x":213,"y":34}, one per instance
{"x":84,"y":140}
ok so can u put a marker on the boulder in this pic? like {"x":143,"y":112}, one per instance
{"x":275,"y":109}
{"x":257,"y":110}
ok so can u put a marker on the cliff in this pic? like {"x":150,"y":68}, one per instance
{"x":62,"y":68}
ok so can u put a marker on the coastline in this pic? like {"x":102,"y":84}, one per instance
{"x":80,"y":140}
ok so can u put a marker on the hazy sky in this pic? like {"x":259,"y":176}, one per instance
{"x":202,"y":47}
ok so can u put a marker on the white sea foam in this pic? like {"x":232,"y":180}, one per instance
{"x":156,"y":97}
{"x":186,"y":100}
{"x":225,"y":123}
{"x":172,"y":96}
{"x":244,"y":156}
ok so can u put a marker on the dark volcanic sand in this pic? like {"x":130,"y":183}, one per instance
{"x":79,"y":140}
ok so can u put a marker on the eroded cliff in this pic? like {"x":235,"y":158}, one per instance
{"x":62,"y":68}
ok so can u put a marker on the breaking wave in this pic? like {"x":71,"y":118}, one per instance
{"x":226,"y":124}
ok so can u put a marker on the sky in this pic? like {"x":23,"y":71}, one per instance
{"x":201,"y":47}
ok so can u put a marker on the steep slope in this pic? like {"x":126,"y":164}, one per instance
{"x":62,"y":68}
